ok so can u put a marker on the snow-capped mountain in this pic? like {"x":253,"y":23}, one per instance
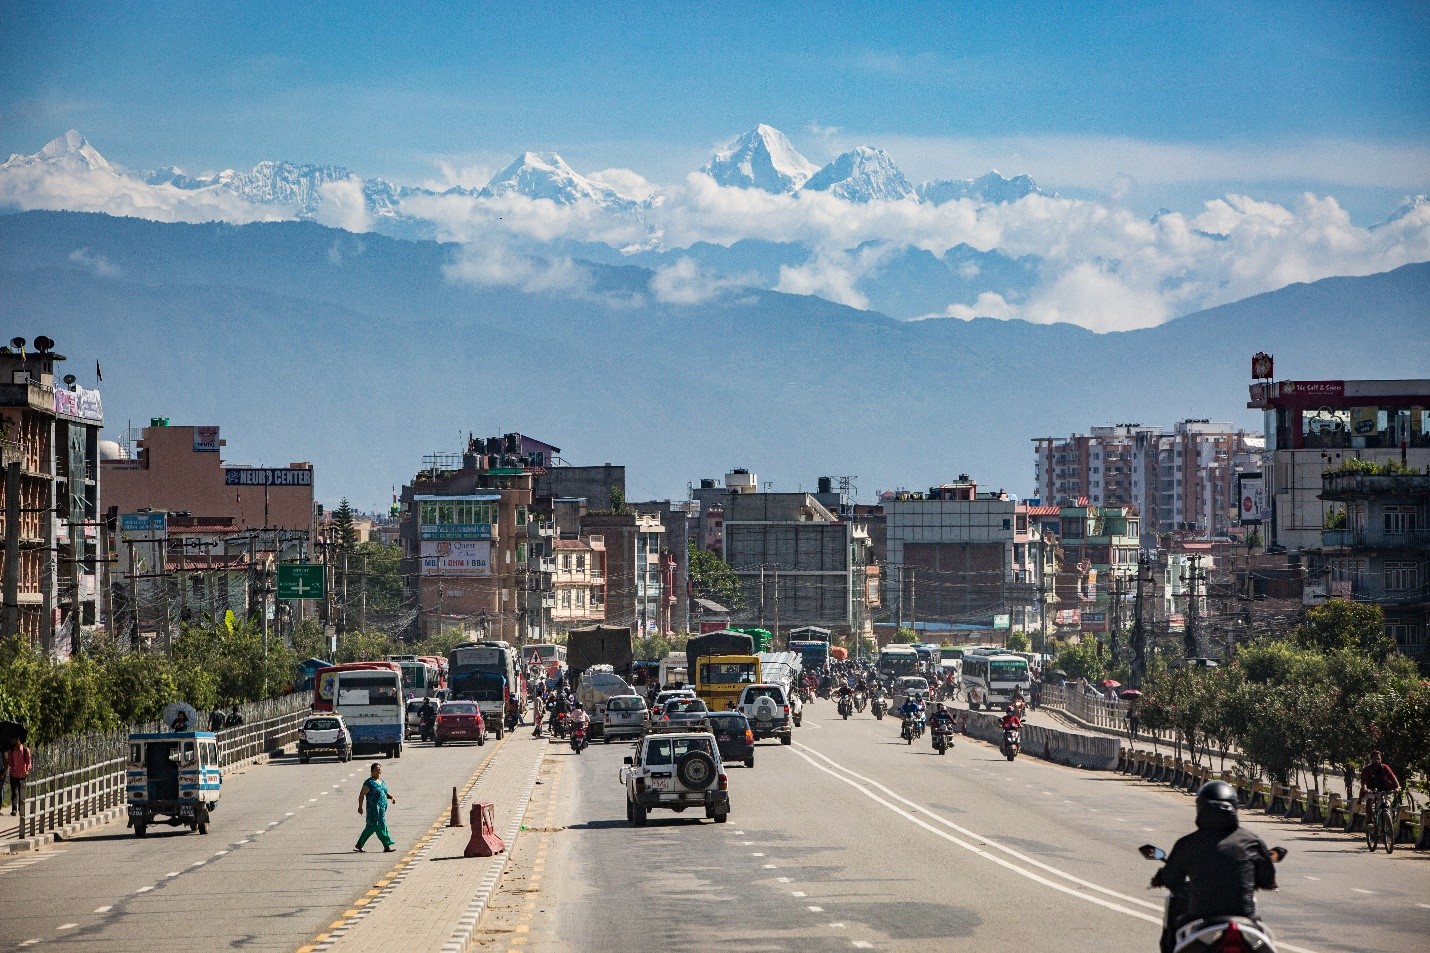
{"x":71,"y":151}
{"x":862,"y":174}
{"x":990,"y":188}
{"x":760,"y":159}
{"x":268,"y":183}
{"x":545,"y":175}
{"x":1416,"y":204}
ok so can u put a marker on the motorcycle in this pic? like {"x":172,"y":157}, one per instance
{"x":1020,"y":708}
{"x":846,"y":707}
{"x":578,"y":739}
{"x":913,"y":728}
{"x":860,"y":702}
{"x":513,"y":718}
{"x":1214,"y":934}
{"x":424,"y":726}
{"x":1012,"y":743}
{"x":942,"y":739}
{"x":880,"y":707}
{"x":558,"y":724}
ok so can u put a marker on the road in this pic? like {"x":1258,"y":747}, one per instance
{"x":852,"y":839}
{"x":275,"y":869}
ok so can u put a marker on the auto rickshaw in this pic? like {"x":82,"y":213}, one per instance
{"x":173,"y":775}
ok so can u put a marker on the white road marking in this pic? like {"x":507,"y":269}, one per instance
{"x":747,"y":843}
{"x":274,"y":823}
{"x":198,"y":863}
{"x":741,"y":833}
{"x":772,"y":866}
{"x":1309,"y":877}
{"x":30,"y":942}
{"x":815,"y":909}
{"x":863,"y":944}
{"x":756,"y":854}
{"x":289,"y":814}
{"x":1424,"y":905}
{"x":836,"y":926}
{"x":243,"y":841}
{"x":260,"y":832}
{"x":104,"y":909}
{"x":221,"y":853}
{"x":1359,"y":890}
{"x":172,"y":873}
{"x":66,"y":926}
{"x":847,"y":776}
{"x":1120,"y":819}
{"x":1148,"y":828}
{"x":144,"y":889}
{"x":785,"y":880}
{"x":796,"y":893}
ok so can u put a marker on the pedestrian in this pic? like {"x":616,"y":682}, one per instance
{"x":18,"y":761}
{"x":234,"y":720}
{"x":538,"y":709}
{"x":374,"y":795}
{"x":1133,"y":721}
{"x":216,"y":719}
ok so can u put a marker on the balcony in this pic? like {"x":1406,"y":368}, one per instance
{"x":1358,"y":486}
{"x":541,"y":529}
{"x":548,"y":602}
{"x":1363,"y":538}
{"x":546,"y":564}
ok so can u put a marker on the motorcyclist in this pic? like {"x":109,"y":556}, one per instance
{"x":1216,"y":870}
{"x":1011,"y":721}
{"x":911,"y":708}
{"x":426,"y":717}
{"x":941,"y":719}
{"x":556,"y":708}
{"x":578,"y":718}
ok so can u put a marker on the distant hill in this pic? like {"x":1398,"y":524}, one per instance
{"x":358,"y":352}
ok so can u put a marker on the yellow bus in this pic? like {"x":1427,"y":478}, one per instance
{"x":719,"y":679}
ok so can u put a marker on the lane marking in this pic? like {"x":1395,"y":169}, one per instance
{"x":104,"y":909}
{"x":31,"y":942}
{"x":1309,"y":877}
{"x":863,"y":944}
{"x":144,"y":889}
{"x":756,"y":854}
{"x":221,"y":853}
{"x":771,"y":866}
{"x":243,"y":841}
{"x":836,"y":926}
{"x":66,"y":926}
{"x":805,"y":751}
{"x":783,"y":880}
{"x":797,"y":893}
{"x":1359,"y":890}
{"x":198,"y":863}
{"x":815,"y":909}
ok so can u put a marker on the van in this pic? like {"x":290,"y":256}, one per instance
{"x":599,"y":684}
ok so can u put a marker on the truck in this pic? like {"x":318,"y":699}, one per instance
{"x":673,"y":671}
{"x":722,"y":642}
{"x":599,"y":645}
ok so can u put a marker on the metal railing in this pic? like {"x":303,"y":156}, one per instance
{"x":83,"y":775}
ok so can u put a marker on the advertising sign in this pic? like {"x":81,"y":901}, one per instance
{"x":477,"y":656}
{"x":456,"y":530}
{"x":1002,"y":621}
{"x":266,"y":476}
{"x":1312,"y":388}
{"x":456,"y":557}
{"x":143,"y":527}
{"x":1068,"y":617}
{"x":1250,"y":490}
{"x":205,"y":440}
{"x":80,"y":404}
{"x":1263,"y":366}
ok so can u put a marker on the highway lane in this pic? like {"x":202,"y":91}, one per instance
{"x":276,"y":868}
{"x":899,"y":848}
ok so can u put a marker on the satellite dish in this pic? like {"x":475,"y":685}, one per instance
{"x":43,"y":344}
{"x":172,"y":713}
{"x":17,"y":343}
{"x":70,"y":379}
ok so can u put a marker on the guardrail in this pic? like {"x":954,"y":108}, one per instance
{"x":83,"y":775}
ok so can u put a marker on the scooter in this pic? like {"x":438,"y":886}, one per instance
{"x":578,"y":740}
{"x":424,"y":727}
{"x":845,"y":707}
{"x":1012,"y":743}
{"x":942,"y":739}
{"x":558,"y":724}
{"x":513,"y":718}
{"x":860,"y":701}
{"x":880,"y":707}
{"x":1214,"y":934}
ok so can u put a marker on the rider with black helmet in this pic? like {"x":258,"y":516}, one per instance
{"x":1219,"y":867}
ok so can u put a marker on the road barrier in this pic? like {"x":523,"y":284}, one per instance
{"x":83,"y":775}
{"x":1062,"y":747}
{"x":485,"y":842}
{"x":1423,"y":843}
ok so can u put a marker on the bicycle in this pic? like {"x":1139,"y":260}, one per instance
{"x":1379,"y":823}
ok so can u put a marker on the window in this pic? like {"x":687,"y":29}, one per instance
{"x":565,"y":562}
{"x":1406,"y":636}
{"x":565,"y":598}
{"x":521,"y":516}
{"x":1400,"y":519}
{"x":580,"y":562}
{"x":1399,"y":576}
{"x":521,"y":552}
{"x":580,"y":598}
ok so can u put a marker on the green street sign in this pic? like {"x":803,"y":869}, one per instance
{"x":301,"y":581}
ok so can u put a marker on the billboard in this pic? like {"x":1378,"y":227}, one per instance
{"x":456,"y":557}
{"x":206,"y":440}
{"x":456,"y":531}
{"x":267,"y":476}
{"x":143,"y":527}
{"x":1251,"y":492}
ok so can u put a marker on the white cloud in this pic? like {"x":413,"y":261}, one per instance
{"x":79,"y":189}
{"x":685,"y":283}
{"x":492,"y":265}
{"x":98,"y":264}
{"x":343,"y":205}
{"x":627,"y":183}
{"x":989,"y":304}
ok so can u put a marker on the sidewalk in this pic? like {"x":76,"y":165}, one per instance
{"x":431,"y":901}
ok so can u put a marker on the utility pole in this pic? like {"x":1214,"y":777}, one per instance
{"x":898,"y":598}
{"x":1139,"y":631}
{"x":362,"y":597}
{"x":1116,"y":590}
{"x":343,"y":611}
{"x":913,"y":598}
{"x":133,"y":599}
{"x":12,"y":544}
{"x":1190,"y":633}
{"x":762,"y":594}
{"x":776,"y":638}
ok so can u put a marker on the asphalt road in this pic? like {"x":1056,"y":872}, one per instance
{"x":275,"y":869}
{"x":852,"y":839}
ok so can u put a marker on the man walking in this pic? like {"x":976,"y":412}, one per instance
{"x":374,"y":793}
{"x":18,"y":761}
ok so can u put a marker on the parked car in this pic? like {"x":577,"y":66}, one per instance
{"x":734,"y":737}
{"x":767,"y":709}
{"x":326,"y":733}
{"x":676,"y":772}
{"x":683,"y":714}
{"x":460,"y":721}
{"x":665,"y":696}
{"x":625,"y":717}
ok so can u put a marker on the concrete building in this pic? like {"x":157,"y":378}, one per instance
{"x":798,"y":563}
{"x":578,"y":575}
{"x":54,"y":545}
{"x":677,"y":518}
{"x":1096,"y":544}
{"x":636,"y":593}
{"x":1316,"y":426}
{"x":1378,"y":550}
{"x":957,"y":555}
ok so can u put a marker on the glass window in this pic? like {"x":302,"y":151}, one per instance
{"x":1400,"y":519}
{"x":580,"y":562}
{"x":565,"y":562}
{"x":1399,"y":576}
{"x":136,"y":754}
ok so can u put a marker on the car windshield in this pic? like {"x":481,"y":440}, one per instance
{"x":753,"y":695}
{"x":668,"y":751}
{"x":729,"y":722}
{"x":1008,"y":671}
{"x":915,"y":684}
{"x":320,"y":724}
{"x":625,"y":704}
{"x":686,"y":705}
{"x":459,"y":708}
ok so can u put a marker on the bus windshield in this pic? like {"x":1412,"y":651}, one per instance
{"x":1008,"y":671}
{"x":367,"y":688}
{"x":727,"y":673}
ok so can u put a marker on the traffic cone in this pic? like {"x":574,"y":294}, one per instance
{"x":456,"y":818}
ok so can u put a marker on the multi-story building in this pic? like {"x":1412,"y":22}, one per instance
{"x":798,"y":563}
{"x":1316,"y":426}
{"x":578,"y":578}
{"x":637,"y":595}
{"x":1379,"y":549}
{"x":956,"y":555}
{"x":54,"y":547}
{"x":1181,"y":480}
{"x":1096,"y":544}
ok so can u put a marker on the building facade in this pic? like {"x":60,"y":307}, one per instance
{"x":1098,"y":549}
{"x":55,"y":550}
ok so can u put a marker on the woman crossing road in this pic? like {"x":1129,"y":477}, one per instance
{"x":375,"y":793}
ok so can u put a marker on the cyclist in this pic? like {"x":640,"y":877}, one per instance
{"x":1378,"y":777}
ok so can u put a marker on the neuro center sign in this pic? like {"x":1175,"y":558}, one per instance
{"x":456,"y":557}
{"x":267,"y":476}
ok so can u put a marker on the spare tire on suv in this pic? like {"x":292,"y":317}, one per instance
{"x":696,"y":770}
{"x":766,"y":709}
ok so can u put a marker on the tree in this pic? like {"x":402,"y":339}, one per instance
{"x":1018,"y":641}
{"x":1081,"y":661}
{"x":618,"y":499}
{"x":712,"y":578}
{"x":905,"y":637}
{"x":1342,"y":624}
{"x":344,"y":530}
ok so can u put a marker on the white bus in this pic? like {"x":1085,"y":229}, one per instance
{"x":896,"y":661}
{"x":371,"y":702}
{"x":989,"y":679}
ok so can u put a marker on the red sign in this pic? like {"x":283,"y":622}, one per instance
{"x":1262,"y":366}
{"x":1312,"y":388}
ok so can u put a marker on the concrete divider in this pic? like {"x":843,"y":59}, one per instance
{"x":1424,"y":841}
{"x":1405,"y":824}
{"x":1062,"y":747}
{"x":1259,"y":795}
{"x":1356,"y":822}
{"x":1296,"y":805}
{"x":1336,"y":815}
{"x":1280,"y":800}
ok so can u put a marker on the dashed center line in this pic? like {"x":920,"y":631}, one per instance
{"x":144,"y":889}
{"x":66,"y":926}
{"x":863,"y":945}
{"x":783,"y":880}
{"x":1359,"y":890}
{"x":815,"y":909}
{"x":104,"y":909}
{"x":797,"y":893}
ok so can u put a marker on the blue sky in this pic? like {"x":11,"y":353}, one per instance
{"x":1154,"y":103}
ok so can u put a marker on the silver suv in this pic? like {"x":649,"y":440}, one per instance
{"x":674,"y":772}
{"x":767,"y":709}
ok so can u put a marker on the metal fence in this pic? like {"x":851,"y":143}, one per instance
{"x":83,"y":775}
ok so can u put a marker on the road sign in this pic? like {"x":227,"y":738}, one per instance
{"x":301,"y":581}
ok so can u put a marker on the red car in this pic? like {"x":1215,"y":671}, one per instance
{"x":459,"y":721}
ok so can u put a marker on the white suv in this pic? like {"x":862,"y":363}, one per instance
{"x":327,"y":733}
{"x":674,"y":772}
{"x":767,"y":709}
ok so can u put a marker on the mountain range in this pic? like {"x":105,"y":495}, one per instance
{"x":362,"y":353}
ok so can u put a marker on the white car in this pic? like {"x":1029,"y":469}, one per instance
{"x":325,"y":732}
{"x":414,"y":706}
{"x":675,"y":772}
{"x":767,"y":708}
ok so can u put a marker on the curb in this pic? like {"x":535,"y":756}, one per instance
{"x":20,"y":845}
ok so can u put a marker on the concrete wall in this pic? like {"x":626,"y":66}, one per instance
{"x":1062,"y":747}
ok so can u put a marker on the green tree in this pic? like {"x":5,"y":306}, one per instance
{"x":344,"y":530}
{"x":1018,"y":641}
{"x":712,"y":578}
{"x":905,"y":636}
{"x":1081,"y":660}
{"x":384,"y":577}
{"x":618,"y":499}
{"x":1342,"y":624}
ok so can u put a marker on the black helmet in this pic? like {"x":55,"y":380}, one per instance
{"x":1216,"y":806}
